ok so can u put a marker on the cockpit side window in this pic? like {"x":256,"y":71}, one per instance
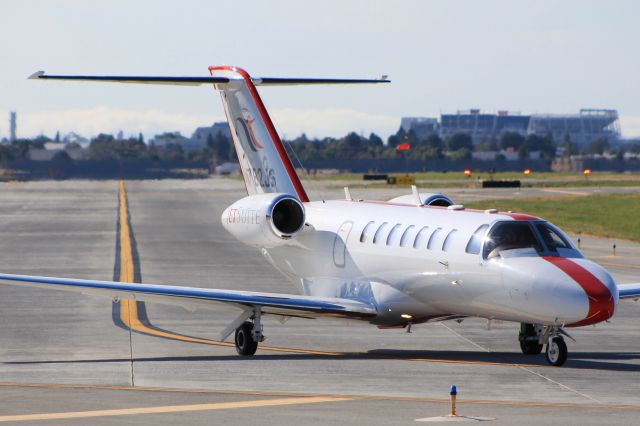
{"x":509,"y":236}
{"x":475,"y":243}
{"x":552,"y":239}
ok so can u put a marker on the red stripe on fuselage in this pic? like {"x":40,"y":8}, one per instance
{"x":293,"y":176}
{"x":521,"y":216}
{"x":601,"y":305}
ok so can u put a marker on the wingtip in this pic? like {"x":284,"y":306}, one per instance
{"x":36,"y":75}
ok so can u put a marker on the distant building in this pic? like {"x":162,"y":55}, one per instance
{"x":202,"y":134}
{"x":170,"y":138}
{"x":582,"y":128}
{"x":75,"y":138}
{"x":197,"y":141}
{"x":40,"y":154}
{"x":482,"y":127}
{"x":13,"y":126}
{"x":422,"y":127}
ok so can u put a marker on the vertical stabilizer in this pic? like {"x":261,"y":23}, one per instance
{"x":265,"y":165}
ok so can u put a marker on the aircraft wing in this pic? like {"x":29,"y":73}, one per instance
{"x":629,"y":291}
{"x":194,"y":297}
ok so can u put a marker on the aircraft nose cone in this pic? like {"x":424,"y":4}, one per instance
{"x":596,"y":282}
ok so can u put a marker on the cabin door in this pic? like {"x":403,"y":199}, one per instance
{"x":340,"y":244}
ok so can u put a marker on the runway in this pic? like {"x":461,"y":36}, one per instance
{"x":68,"y":353}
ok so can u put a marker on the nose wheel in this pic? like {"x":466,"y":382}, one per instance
{"x":533,"y":336}
{"x":556,"y":351}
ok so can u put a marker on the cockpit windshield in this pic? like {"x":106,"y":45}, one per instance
{"x":552,"y":238}
{"x":509,"y":236}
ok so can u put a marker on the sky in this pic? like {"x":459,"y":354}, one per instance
{"x":442,"y":56}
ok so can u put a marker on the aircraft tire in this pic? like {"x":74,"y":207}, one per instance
{"x":245,"y":345}
{"x":556,"y":351}
{"x":529,"y":340}
{"x":530,"y":348}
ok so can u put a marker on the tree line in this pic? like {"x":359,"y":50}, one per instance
{"x":218,"y":149}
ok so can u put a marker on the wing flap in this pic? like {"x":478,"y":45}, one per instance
{"x":191,"y":297}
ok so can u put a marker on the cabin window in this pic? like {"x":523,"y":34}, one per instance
{"x":432,"y":239}
{"x":552,"y":238}
{"x":447,"y":241}
{"x":394,"y":235}
{"x":475,"y":243}
{"x":366,"y":232}
{"x":404,"y":240}
{"x":421,"y":238}
{"x":378,"y":236}
{"x":510,"y":236}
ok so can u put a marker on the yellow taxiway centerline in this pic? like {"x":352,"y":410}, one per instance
{"x":129,"y":309}
{"x":170,"y":409}
{"x":364,"y":397}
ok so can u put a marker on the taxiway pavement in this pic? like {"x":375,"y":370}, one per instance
{"x":365,"y":375}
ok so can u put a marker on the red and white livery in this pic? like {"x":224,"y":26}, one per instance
{"x":413,"y":259}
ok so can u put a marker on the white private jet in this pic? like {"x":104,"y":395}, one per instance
{"x":414,"y":259}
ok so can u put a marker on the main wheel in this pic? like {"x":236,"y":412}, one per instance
{"x":530,"y":348}
{"x":527,"y":345}
{"x":245,"y":345}
{"x":556,"y":351}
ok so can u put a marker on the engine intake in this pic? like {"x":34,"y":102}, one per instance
{"x":264,"y":220}
{"x":287,"y":217}
{"x":427,"y":199}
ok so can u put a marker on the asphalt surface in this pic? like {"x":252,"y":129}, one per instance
{"x":62,"y":352}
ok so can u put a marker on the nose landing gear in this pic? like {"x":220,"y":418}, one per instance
{"x":532,"y":338}
{"x":556,"y":351}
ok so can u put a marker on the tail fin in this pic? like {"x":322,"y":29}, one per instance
{"x":265,"y":165}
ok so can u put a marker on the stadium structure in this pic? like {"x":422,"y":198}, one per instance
{"x":582,"y":128}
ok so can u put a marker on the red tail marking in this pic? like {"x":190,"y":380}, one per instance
{"x":302,"y":195}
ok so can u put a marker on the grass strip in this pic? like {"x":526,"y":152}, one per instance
{"x":607,"y":216}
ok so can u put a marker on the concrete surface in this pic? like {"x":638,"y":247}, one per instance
{"x":52,"y":338}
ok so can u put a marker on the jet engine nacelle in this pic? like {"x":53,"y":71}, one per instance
{"x":439,"y":200}
{"x":264,"y":220}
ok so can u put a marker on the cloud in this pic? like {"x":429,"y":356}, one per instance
{"x":289,"y":122}
{"x":90,"y":122}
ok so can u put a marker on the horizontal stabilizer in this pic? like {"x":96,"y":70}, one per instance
{"x":186,"y":81}
{"x":197,"y":81}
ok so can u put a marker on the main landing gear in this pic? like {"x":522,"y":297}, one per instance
{"x":533,"y":336}
{"x":248,"y":335}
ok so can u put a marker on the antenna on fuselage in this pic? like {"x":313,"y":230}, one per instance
{"x":416,"y":195}
{"x":347,"y":194}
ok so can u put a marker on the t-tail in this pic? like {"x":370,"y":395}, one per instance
{"x":265,"y":165}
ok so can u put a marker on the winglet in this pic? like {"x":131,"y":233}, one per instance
{"x":36,"y":75}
